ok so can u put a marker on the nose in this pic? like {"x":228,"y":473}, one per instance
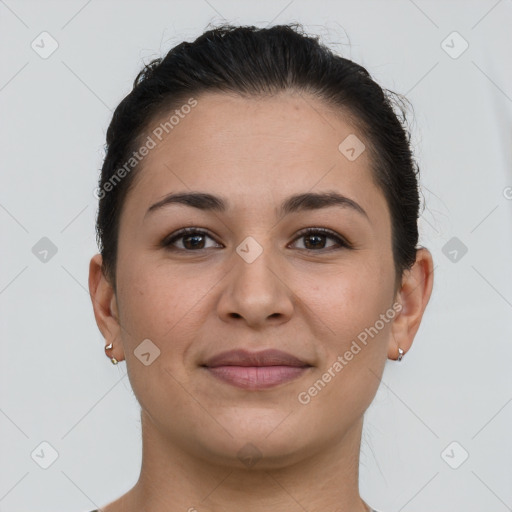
{"x":256,"y":291}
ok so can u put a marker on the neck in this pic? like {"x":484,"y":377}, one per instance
{"x":171,"y":479}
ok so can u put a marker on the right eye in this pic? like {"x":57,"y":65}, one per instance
{"x":192,"y":239}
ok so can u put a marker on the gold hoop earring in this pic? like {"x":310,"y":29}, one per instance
{"x":112,"y":359}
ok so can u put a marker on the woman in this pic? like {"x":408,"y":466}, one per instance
{"x":259,"y":263}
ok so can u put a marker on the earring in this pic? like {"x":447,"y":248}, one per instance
{"x":112,"y":359}
{"x":400,"y":354}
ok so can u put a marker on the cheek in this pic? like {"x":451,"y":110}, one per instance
{"x":346,"y":304}
{"x":158,"y":301}
{"x":352,"y":342}
{"x":159,"y":305}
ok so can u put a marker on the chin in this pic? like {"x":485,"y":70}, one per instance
{"x":255,"y":444}
{"x":256,"y":454}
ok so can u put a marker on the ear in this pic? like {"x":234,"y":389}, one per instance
{"x":104,"y":303}
{"x":414,"y":294}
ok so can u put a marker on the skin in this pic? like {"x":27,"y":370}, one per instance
{"x":194,"y":303}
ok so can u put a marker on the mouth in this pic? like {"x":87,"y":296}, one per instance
{"x":255,"y":370}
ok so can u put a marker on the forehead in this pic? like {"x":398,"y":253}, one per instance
{"x":252,"y":148}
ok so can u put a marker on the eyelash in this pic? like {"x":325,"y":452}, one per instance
{"x":342,"y":243}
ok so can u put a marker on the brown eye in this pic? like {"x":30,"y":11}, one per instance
{"x":191,"y":239}
{"x":315,"y":240}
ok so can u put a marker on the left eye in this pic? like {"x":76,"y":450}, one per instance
{"x":315,"y":238}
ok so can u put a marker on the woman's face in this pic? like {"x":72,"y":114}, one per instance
{"x":252,"y":280}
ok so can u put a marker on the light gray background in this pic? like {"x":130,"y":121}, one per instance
{"x":57,"y":385}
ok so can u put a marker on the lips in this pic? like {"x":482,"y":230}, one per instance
{"x":255,"y":370}
{"x":269,"y":357}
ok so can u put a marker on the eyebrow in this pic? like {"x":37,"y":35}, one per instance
{"x":293,"y":204}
